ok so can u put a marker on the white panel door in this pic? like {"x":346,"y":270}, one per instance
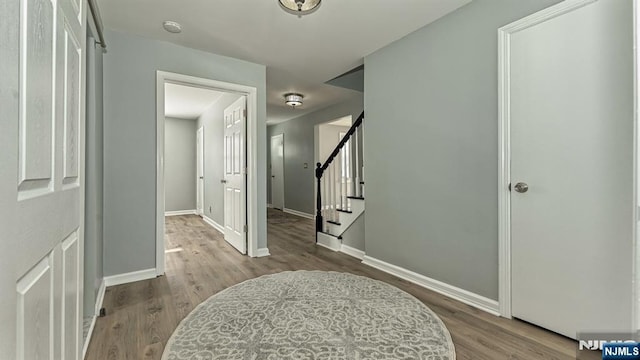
{"x":234,"y":175}
{"x":571,"y":143}
{"x":42,"y":178}
{"x":200,"y":171}
{"x":277,"y":171}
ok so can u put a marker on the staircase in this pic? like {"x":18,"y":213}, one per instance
{"x":340,"y":189}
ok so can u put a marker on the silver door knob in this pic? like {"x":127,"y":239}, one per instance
{"x":521,"y":187}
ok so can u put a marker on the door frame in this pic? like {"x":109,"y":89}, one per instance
{"x":251,"y":148}
{"x":200,"y":155}
{"x":504,"y":153}
{"x":281,"y":135}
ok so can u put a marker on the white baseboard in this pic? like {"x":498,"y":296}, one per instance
{"x":100,"y":296}
{"x":299,"y":213}
{"x":467,"y":297}
{"x":180,"y":212}
{"x":98,"y":306}
{"x":356,"y":253}
{"x":214,"y":224}
{"x":130,"y":277}
{"x":262,"y":252}
{"x":328,"y":241}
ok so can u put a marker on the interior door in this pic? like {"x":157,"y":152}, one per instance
{"x":42,"y":178}
{"x":572,"y":170}
{"x":200,"y":171}
{"x":277,"y":171}
{"x":234,"y":175}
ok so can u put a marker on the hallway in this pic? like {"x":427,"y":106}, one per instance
{"x":142,"y":316}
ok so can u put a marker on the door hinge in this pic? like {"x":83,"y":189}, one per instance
{"x":244,"y":113}
{"x":245,"y":228}
{"x":246,"y":171}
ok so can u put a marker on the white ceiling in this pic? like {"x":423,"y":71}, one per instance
{"x":301,"y":53}
{"x":186,"y":102}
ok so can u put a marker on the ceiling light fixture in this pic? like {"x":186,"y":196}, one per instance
{"x":172,"y":26}
{"x":300,"y":7}
{"x":293,"y":99}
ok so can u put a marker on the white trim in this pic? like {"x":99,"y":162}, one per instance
{"x":262,"y":252}
{"x":504,"y":150}
{"x":202,"y":160}
{"x":299,"y":213}
{"x":464,"y":296}
{"x":351,"y":251}
{"x":214,"y":224}
{"x":100,"y":296}
{"x":328,"y":241}
{"x":98,"y":306}
{"x":180,"y":212}
{"x":251,"y":142}
{"x":126,"y":278}
{"x":635,"y":311}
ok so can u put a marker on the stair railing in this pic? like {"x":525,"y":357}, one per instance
{"x":340,"y":177}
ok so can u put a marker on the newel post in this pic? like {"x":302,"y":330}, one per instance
{"x":319,"y":199}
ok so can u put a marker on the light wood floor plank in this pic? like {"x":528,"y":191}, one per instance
{"x":142,"y":316}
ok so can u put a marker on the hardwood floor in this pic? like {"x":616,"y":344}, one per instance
{"x":142,"y":316}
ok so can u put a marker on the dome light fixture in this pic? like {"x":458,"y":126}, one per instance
{"x":300,"y":7}
{"x":293,"y":99}
{"x":172,"y":26}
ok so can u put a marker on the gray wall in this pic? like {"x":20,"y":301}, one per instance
{"x":213,"y":122}
{"x":179,"y":164}
{"x":299,"y":149}
{"x":130,"y":66}
{"x":432,"y":132}
{"x":93,"y":241}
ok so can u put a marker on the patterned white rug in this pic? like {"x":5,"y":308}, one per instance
{"x":305,"y":315}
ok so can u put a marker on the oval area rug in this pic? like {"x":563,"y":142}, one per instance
{"x":308,"y":315}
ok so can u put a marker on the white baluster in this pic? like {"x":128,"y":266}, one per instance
{"x":356,"y":182}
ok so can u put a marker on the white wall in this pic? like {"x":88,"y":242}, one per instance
{"x":328,"y":139}
{"x":180,"y":164}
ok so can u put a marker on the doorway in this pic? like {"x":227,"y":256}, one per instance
{"x":246,"y":161}
{"x":277,"y":171}
{"x":566,"y":191}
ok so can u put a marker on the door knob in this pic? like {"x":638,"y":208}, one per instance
{"x":223,"y":181}
{"x":521,"y":187}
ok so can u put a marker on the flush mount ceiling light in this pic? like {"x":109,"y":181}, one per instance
{"x":300,"y":7}
{"x":172,"y":27}
{"x":293,"y":99}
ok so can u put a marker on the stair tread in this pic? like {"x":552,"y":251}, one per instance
{"x":333,"y":222}
{"x":345,"y":211}
{"x":355,"y":197}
